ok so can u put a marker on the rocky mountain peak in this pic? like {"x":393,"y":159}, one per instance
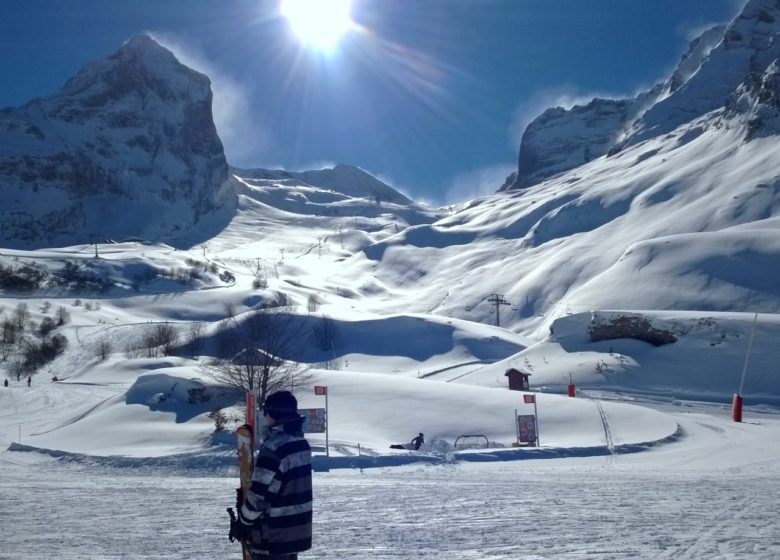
{"x":727,"y":68}
{"x":134,"y":129}
{"x":691,"y":61}
{"x":749,"y":44}
{"x":141,"y":67}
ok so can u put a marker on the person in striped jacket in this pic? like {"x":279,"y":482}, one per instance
{"x":276,"y":516}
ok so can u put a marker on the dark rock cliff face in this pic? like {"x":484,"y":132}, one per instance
{"x":562,"y":139}
{"x":730,"y":68}
{"x":128,"y":148}
{"x":629,"y":325}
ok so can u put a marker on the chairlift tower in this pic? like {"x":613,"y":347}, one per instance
{"x":498,"y":300}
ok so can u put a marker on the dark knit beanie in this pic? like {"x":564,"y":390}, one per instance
{"x":281,"y":405}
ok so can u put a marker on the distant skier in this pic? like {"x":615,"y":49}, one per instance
{"x":418,"y":441}
{"x":276,"y":518}
{"x":29,"y":380}
{"x":5,"y":383}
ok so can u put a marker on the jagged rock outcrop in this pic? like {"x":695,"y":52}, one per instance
{"x":127,"y":148}
{"x":758,"y":102}
{"x":628,"y":325}
{"x":561,"y":139}
{"x":747,"y":49}
{"x":729,"y":68}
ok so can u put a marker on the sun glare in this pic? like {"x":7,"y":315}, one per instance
{"x":319,"y":23}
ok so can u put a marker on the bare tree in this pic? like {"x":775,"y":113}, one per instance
{"x":194,"y":339}
{"x":104,"y":348}
{"x":21,"y":316}
{"x":167,"y":337}
{"x":131,"y":349}
{"x":46,"y":327}
{"x":268,"y":341}
{"x":325,"y":335}
{"x":10,"y":336}
{"x":220,"y":419}
{"x":37,"y":354}
{"x":63,"y":315}
{"x":161,"y":336}
{"x":148,"y":342}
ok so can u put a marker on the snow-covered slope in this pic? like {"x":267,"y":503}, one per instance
{"x":344,"y":179}
{"x":127,"y":148}
{"x":687,"y":221}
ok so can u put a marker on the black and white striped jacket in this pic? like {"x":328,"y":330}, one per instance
{"x":279,"y":502}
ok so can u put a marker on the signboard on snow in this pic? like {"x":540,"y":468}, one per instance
{"x":316,"y":420}
{"x":526,"y":428}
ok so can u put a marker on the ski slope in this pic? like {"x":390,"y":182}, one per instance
{"x":711,"y":494}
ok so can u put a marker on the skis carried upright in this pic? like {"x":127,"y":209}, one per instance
{"x":246,"y":454}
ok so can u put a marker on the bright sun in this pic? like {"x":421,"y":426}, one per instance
{"x":319,"y":23}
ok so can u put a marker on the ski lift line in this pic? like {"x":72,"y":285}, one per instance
{"x":442,"y":370}
{"x":486,"y":364}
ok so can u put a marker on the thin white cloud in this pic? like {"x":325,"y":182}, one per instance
{"x":312,"y":166}
{"x":243,"y":137}
{"x":404,"y":190}
{"x":478,"y":182}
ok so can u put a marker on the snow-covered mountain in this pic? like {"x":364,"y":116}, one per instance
{"x":127,"y":148}
{"x":731,"y":67}
{"x":639,"y":261}
{"x":347,"y":180}
{"x":682,"y":225}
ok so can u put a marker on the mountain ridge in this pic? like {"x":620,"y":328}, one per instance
{"x":343,"y":178}
{"x":712,"y":75}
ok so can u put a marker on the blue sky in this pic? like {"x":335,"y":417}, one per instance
{"x":429,"y":95}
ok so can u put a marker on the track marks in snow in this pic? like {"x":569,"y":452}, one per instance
{"x":535,"y":510}
{"x":607,"y":429}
